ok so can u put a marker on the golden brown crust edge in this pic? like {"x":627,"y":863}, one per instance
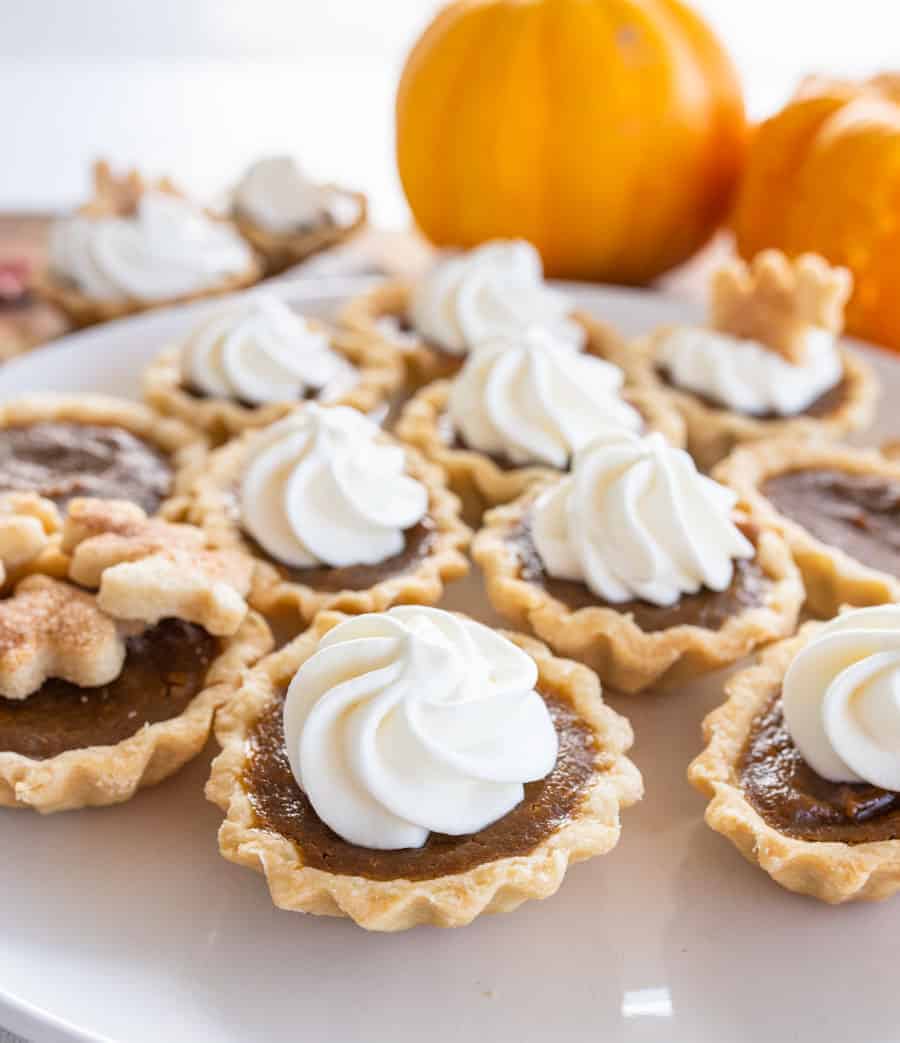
{"x":833,"y":872}
{"x":832,"y":578}
{"x":96,"y":776}
{"x":212,"y":508}
{"x":379,"y":366}
{"x":611,"y":643}
{"x":470,"y":472}
{"x":712,"y":433}
{"x":449,"y":901}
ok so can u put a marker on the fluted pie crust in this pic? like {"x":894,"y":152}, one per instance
{"x":214,"y":506}
{"x":94,"y":776}
{"x":281,"y":250}
{"x":379,"y":370}
{"x":424,"y":424}
{"x":713,"y":431}
{"x":832,"y":577}
{"x":611,"y":642}
{"x":447,"y":901}
{"x":832,"y":871}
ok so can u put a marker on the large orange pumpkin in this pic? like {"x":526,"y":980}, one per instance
{"x":609,"y":133}
{"x":824,"y":175}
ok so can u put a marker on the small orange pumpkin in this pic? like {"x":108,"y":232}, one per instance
{"x":609,"y":133}
{"x":823,"y":175}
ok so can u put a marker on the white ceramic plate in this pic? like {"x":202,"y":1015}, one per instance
{"x":125,"y":924}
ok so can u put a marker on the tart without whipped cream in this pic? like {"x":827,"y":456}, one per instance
{"x":102,"y":694}
{"x":471,"y":768}
{"x":287,"y":217}
{"x":803,"y":761}
{"x":494,"y":290}
{"x":336,"y":513}
{"x":251,"y":363}
{"x":837,"y":508}
{"x":769,"y":363}
{"x":519,"y":409}
{"x":637,"y":565}
{"x":137,"y":246}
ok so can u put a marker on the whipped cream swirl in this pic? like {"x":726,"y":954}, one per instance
{"x":277,"y":195}
{"x":320,"y":488}
{"x":168,"y":248}
{"x":746,"y":376}
{"x":496,"y":289}
{"x":841,"y":698}
{"x":536,"y":400}
{"x":262,"y":352}
{"x":635,"y":519}
{"x":414,"y":721}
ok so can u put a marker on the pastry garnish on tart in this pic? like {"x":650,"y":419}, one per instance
{"x":639,"y":566}
{"x":414,"y":766}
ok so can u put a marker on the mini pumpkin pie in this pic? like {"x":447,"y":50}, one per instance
{"x":251,"y":363}
{"x":286,"y":217}
{"x":336,"y":513}
{"x":414,"y":766}
{"x":638,"y":566}
{"x":769,"y":363}
{"x":802,"y":762}
{"x":497,"y":289}
{"x":138,"y":246}
{"x":838,"y":509}
{"x":521,"y":406}
{"x":102,"y":694}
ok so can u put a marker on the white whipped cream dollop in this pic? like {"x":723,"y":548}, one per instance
{"x":414,"y":721}
{"x":746,"y":376}
{"x":635,"y":519}
{"x":262,"y":352}
{"x":841,"y":698}
{"x":493,"y":290}
{"x":535,"y":400}
{"x":320,"y":488}
{"x":277,"y":195}
{"x":168,"y":248}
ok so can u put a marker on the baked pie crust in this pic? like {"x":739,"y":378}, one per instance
{"x":424,"y":423}
{"x":280,"y":250}
{"x":215,"y":508}
{"x":27,"y":525}
{"x":611,"y":642}
{"x":446,"y":901}
{"x":832,"y":871}
{"x":379,"y":371}
{"x":832,"y":577}
{"x":54,"y":628}
{"x":117,"y":195}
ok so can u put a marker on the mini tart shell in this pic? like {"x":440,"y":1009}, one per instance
{"x":831,"y":576}
{"x":713,"y":432}
{"x":470,"y":473}
{"x":611,"y":642}
{"x":447,"y":901}
{"x":831,"y":871}
{"x":95,"y":776}
{"x":379,"y":368}
{"x":280,"y":250}
{"x":424,"y":363}
{"x":214,"y":507}
{"x":187,"y":448}
{"x":83,"y":310}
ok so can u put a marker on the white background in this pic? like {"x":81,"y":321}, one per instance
{"x":201,"y":87}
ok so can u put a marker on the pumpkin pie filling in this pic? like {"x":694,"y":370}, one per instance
{"x":281,"y":807}
{"x":165,"y":668}
{"x":709,"y":609}
{"x":61,"y":460}
{"x":826,"y":404}
{"x":793,"y":799}
{"x":858,"y":513}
